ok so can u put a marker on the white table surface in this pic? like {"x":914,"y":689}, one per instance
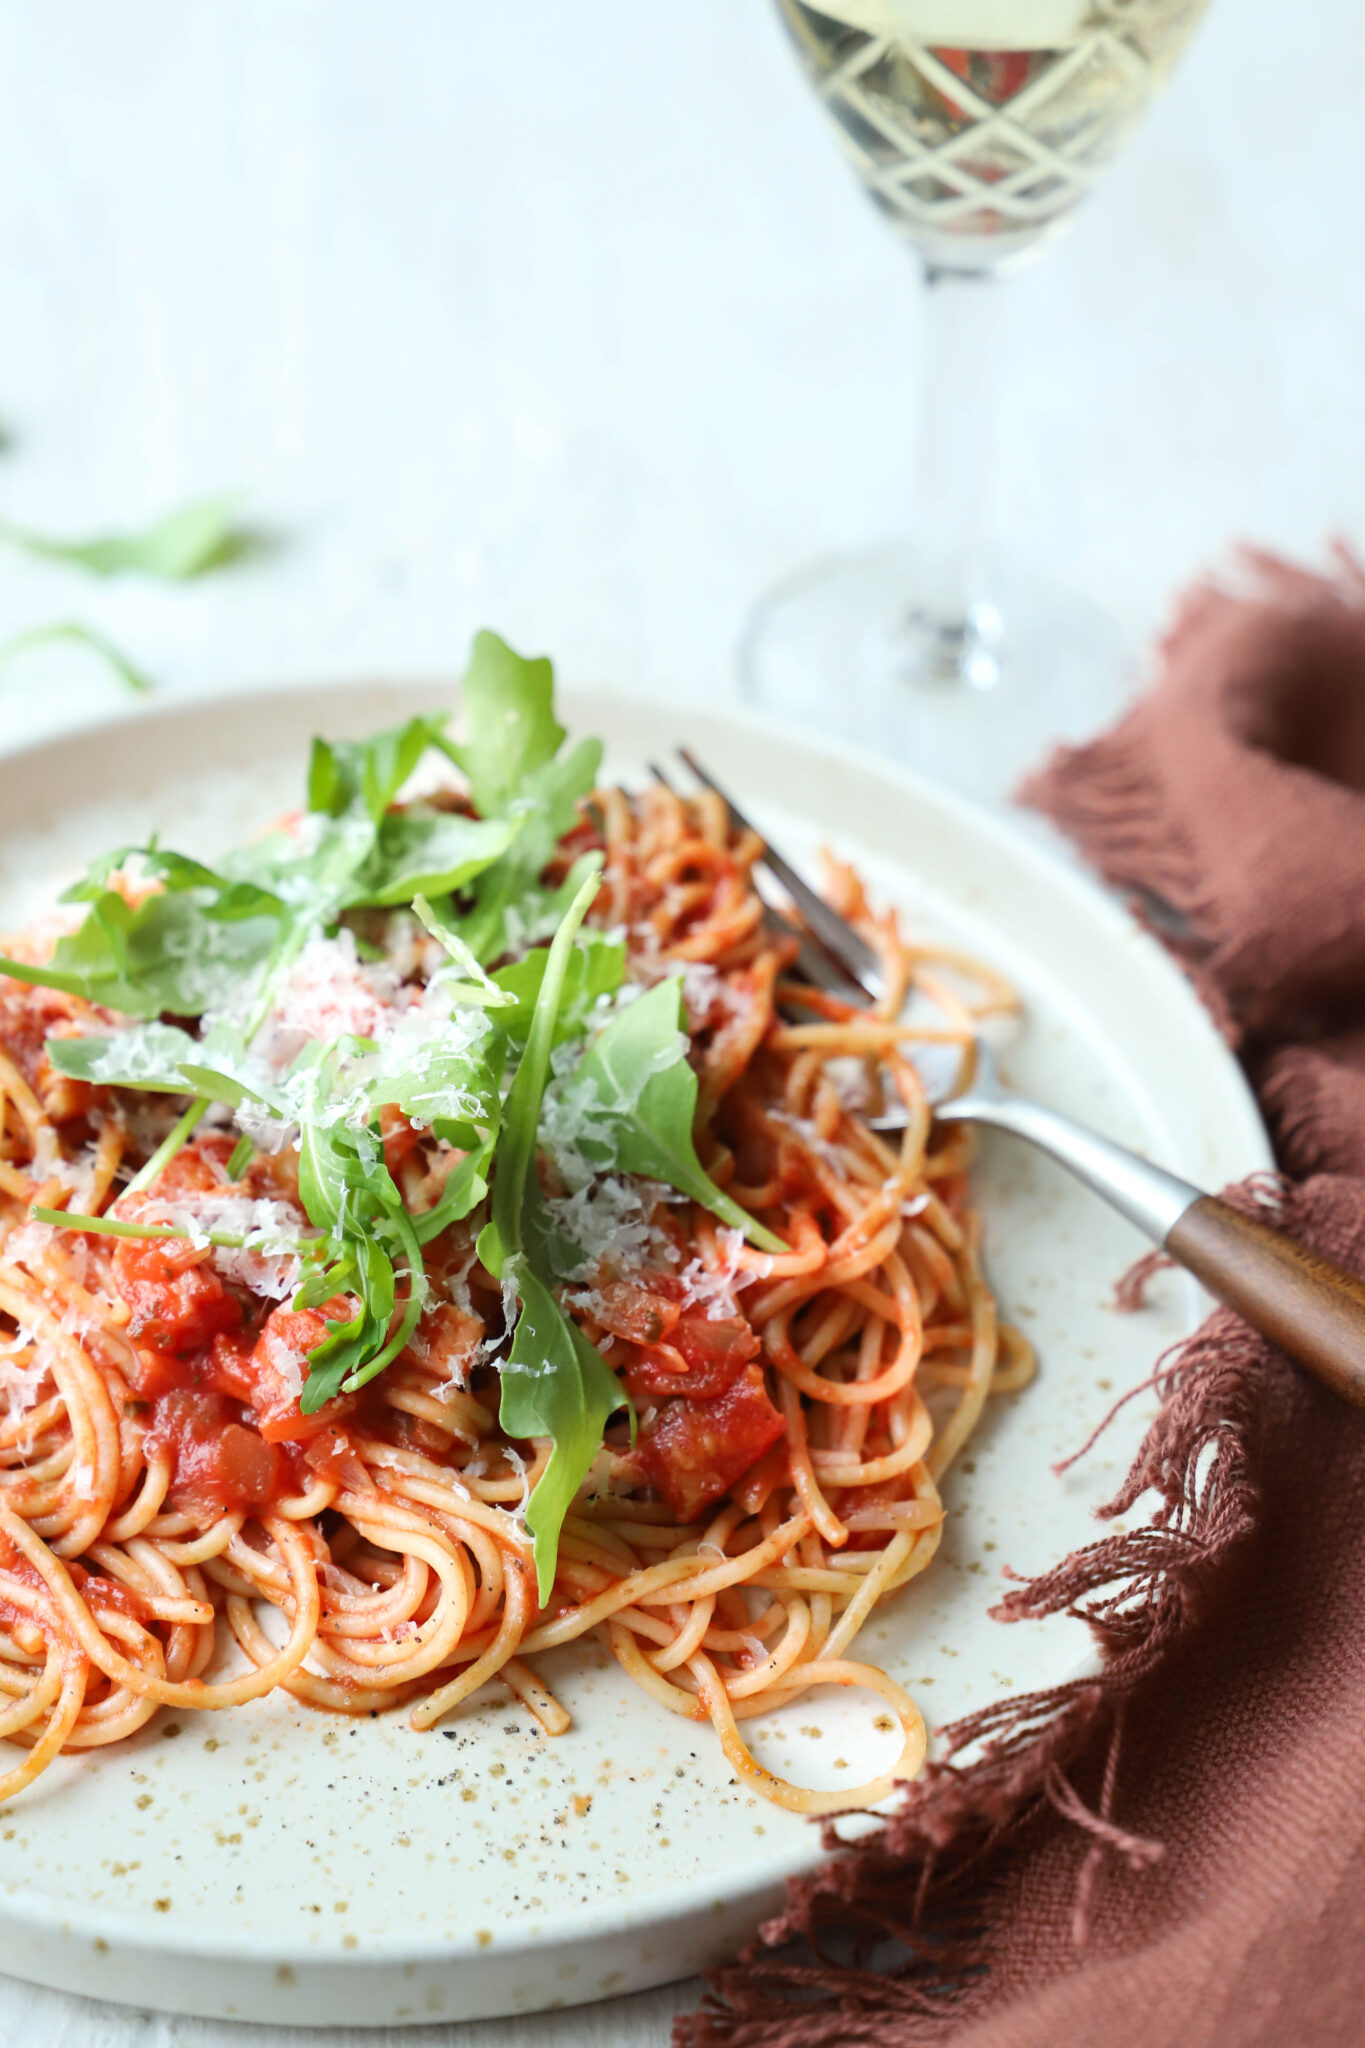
{"x":566,"y":319}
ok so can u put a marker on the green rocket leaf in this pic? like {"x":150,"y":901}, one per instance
{"x":554,"y":1383}
{"x":182,"y":544}
{"x":640,"y":1096}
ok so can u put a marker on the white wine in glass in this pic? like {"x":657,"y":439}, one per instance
{"x":976,"y":127}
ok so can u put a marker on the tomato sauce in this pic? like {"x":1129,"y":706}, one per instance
{"x":221,"y":1372}
{"x":221,"y":1379}
{"x":221,"y":1375}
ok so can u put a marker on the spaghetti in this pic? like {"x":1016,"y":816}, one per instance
{"x":180,"y":1526}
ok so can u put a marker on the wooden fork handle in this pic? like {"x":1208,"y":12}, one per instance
{"x":1311,"y":1308}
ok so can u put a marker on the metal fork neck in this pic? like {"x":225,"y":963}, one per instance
{"x":1147,"y":1195}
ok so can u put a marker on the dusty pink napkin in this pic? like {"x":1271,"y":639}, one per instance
{"x":1173,"y":1854}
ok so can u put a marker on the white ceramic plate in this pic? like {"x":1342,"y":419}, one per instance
{"x":276,"y":1864}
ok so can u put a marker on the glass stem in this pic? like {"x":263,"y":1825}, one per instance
{"x":954,"y":629}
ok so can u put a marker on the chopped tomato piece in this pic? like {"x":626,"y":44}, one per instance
{"x":216,"y":1462}
{"x":694,"y":1451}
{"x":274,"y":1175}
{"x":269,"y":1378}
{"x":636,"y":1313}
{"x":705,"y":1340}
{"x":703,"y":1357}
{"x":447,"y":1339}
{"x":196,"y":1169}
{"x":332,"y":1454}
{"x":156,"y":1372}
{"x":177,"y":1302}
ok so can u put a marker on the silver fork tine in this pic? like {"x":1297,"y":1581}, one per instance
{"x":835,"y":934}
{"x":812,"y":961}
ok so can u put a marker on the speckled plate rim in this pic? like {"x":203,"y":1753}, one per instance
{"x":88,"y":758}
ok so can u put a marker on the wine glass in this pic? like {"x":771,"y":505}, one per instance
{"x":976,"y":127}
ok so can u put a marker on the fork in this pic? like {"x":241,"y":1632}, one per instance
{"x":1314,"y":1310}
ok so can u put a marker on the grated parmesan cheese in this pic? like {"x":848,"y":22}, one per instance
{"x":610,"y":1220}
{"x":21,"y":1384}
{"x":329,"y":992}
{"x":705,"y":990}
{"x":28,"y":1245}
{"x":76,"y":1175}
{"x":266,"y":1264}
{"x":715,"y":1288}
{"x":519,"y":1465}
{"x":288,"y":1361}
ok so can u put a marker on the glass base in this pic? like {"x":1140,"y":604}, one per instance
{"x":973,"y":697}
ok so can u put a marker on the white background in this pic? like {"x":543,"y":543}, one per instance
{"x":566,"y":319}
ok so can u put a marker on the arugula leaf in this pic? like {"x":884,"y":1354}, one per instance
{"x":344,"y":774}
{"x":172,"y":952}
{"x":174,"y":1141}
{"x":640,"y":1099}
{"x":210,"y":1085}
{"x":595,"y":968}
{"x":338,"y":1165}
{"x":511,"y":907}
{"x":347,"y":1190}
{"x":552,"y":1252}
{"x":479,"y":988}
{"x":510,"y":757}
{"x":465,"y":1188}
{"x":366,"y":1271}
{"x":554,"y":1383}
{"x":510,"y":720}
{"x":501,"y":1237}
{"x":70,"y":632}
{"x":177,"y":872}
{"x":548,"y":799}
{"x":525,"y":796}
{"x":406,"y":853}
{"x":117,"y":1226}
{"x":185,"y":948}
{"x":451,"y":1082}
{"x":184,"y":543}
{"x":428,"y":854}
{"x":242,"y":1153}
{"x":162,"y":1059}
{"x":310,"y":872}
{"x":105,"y":1226}
{"x":350,"y":863}
{"x":148,"y":1056}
